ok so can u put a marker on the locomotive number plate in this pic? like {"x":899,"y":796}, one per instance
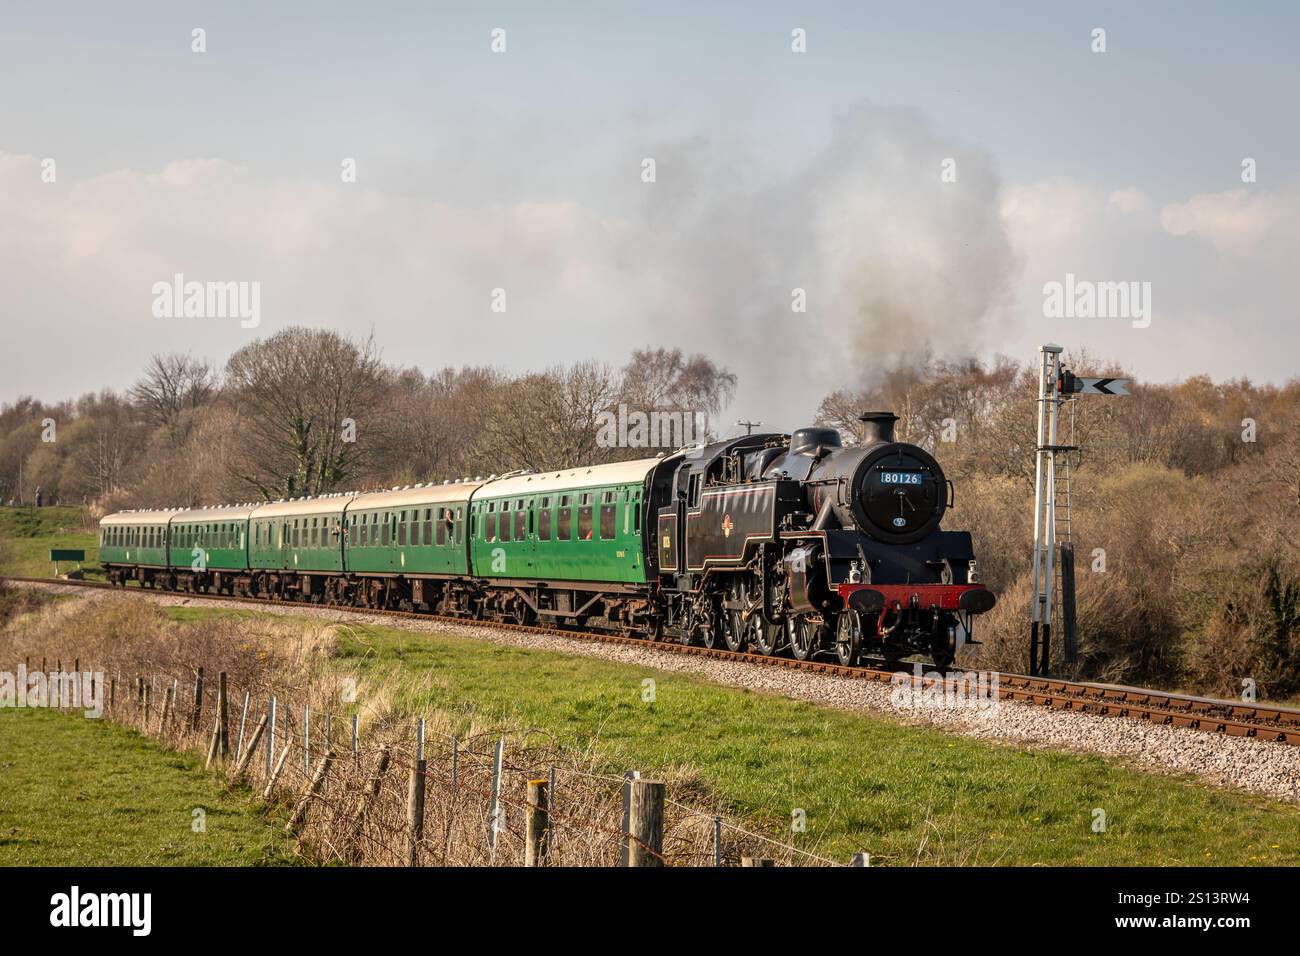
{"x":901,"y":477}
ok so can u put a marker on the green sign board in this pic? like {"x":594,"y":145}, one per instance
{"x":67,"y":554}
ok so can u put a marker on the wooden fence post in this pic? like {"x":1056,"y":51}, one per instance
{"x":363,"y":803}
{"x":214,"y":747}
{"x":112,"y":694}
{"x":299,"y":816}
{"x":415,"y":813}
{"x":148,"y":695}
{"x":624,"y":842}
{"x":223,"y":715}
{"x":270,"y":739}
{"x":647,"y":824}
{"x":166,"y":711}
{"x":198,"y":699}
{"x":537,"y":832}
{"x":242,"y":767}
{"x":275,"y":774}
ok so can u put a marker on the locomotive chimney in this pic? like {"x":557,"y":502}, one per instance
{"x":877,"y":427}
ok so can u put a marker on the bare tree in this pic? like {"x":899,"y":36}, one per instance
{"x":170,"y":385}
{"x":549,"y":420}
{"x":307,"y":400}
{"x":668,"y":380}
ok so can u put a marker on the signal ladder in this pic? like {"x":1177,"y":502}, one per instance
{"x":1053,"y":581}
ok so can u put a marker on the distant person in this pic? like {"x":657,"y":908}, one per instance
{"x":39,"y":496}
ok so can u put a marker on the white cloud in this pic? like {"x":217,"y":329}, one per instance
{"x":1237,"y":222}
{"x":894,"y":262}
{"x":1129,"y":200}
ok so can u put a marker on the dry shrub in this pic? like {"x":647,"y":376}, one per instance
{"x":126,"y":638}
{"x":1249,"y":628}
{"x":17,"y":601}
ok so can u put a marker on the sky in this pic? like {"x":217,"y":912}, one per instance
{"x":916,"y":177}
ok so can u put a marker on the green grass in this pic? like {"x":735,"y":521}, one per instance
{"x":27,"y":534}
{"x":864,"y":782}
{"x":78,"y":792}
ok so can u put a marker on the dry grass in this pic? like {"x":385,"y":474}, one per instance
{"x":134,"y":643}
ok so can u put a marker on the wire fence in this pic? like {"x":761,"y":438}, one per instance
{"x":402,"y":792}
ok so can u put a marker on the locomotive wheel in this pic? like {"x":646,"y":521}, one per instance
{"x":733,"y":634}
{"x":848,"y":637}
{"x":802,"y":634}
{"x":714,"y":632}
{"x":765,"y":637}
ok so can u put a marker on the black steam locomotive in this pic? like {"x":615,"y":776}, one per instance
{"x":776,"y":543}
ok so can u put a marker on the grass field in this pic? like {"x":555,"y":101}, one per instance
{"x":27,"y":534}
{"x":864,"y":782}
{"x":78,"y":792}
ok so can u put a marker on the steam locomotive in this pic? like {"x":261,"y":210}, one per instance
{"x":768,"y":542}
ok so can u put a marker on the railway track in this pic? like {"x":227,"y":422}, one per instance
{"x":1231,"y":718}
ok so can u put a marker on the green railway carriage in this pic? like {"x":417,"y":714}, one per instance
{"x":134,"y":544}
{"x":410,"y":531}
{"x":210,"y":538}
{"x":579,"y":525}
{"x":303,"y":534}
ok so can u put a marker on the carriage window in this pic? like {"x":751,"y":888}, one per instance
{"x":607,"y":515}
{"x":460,"y":525}
{"x":544,"y":520}
{"x":428,"y":526}
{"x":388,"y":529}
{"x":442,"y":522}
{"x":564,"y":520}
{"x":521,"y":525}
{"x":401,"y":529}
{"x":489,"y":527}
{"x":584,"y":523}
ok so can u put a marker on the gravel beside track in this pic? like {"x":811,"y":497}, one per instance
{"x":1257,"y":766}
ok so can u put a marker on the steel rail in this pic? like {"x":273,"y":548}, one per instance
{"x":1231,"y":718}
